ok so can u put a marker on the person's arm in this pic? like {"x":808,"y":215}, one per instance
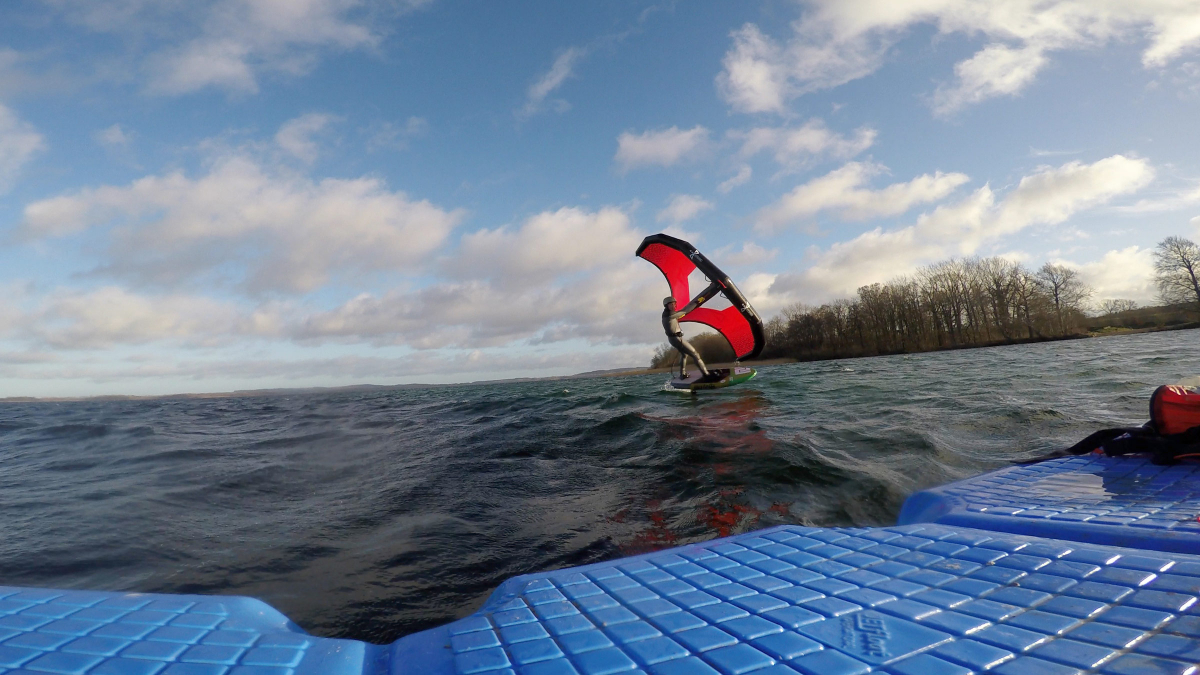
{"x":704,"y":297}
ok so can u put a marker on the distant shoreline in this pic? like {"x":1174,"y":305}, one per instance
{"x":1108,"y":331}
{"x":613,"y":372}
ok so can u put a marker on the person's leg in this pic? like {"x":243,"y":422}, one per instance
{"x":689,"y":350}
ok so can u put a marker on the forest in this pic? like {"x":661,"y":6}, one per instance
{"x":957,"y":303}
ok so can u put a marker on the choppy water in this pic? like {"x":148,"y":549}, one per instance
{"x":376,"y":515}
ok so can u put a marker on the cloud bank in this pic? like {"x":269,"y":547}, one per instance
{"x":842,"y":191}
{"x":1048,"y":197}
{"x":837,"y":41}
{"x":244,"y":224}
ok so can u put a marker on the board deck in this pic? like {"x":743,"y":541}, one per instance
{"x":923,"y":599}
{"x":1119,"y":501}
{"x":731,"y":376}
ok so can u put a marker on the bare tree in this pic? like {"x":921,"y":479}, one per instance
{"x":1117,"y":305}
{"x":1030,"y":301}
{"x":1065,"y":289}
{"x":1176,"y":270}
{"x":1000,"y":280}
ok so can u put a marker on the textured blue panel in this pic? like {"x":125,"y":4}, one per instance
{"x":87,"y":633}
{"x":838,"y":602}
{"x":1118,"y":501}
{"x":923,"y":599}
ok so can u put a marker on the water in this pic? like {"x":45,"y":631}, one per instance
{"x":374,"y":515}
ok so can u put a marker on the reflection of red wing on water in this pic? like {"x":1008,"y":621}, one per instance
{"x":676,"y":259}
{"x":723,"y":440}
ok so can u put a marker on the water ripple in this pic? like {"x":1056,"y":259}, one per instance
{"x":372,"y":515}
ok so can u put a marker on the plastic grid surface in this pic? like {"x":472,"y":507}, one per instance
{"x":1121,"y":501}
{"x":906,"y":600}
{"x":91,"y":633}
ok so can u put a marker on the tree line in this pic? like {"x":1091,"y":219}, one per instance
{"x":955,"y":303}
{"x":951,"y":304}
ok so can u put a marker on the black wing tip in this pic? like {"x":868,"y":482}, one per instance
{"x":667,"y":240}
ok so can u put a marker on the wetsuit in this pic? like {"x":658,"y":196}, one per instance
{"x":670,"y":322}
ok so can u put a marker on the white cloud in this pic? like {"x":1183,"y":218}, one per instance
{"x":562,"y":68}
{"x":842,"y":192}
{"x":239,"y":39}
{"x":559,"y":276}
{"x":749,"y":255}
{"x":615,"y":303}
{"x":549,"y":244}
{"x":740,"y":178}
{"x":1195,"y":223}
{"x":1171,"y":201}
{"x":564,"y":275}
{"x":836,"y":41}
{"x":1126,"y":274}
{"x":766,"y":296}
{"x":113,"y":137}
{"x":295,"y":136}
{"x":19,"y":142}
{"x":660,"y":148}
{"x":109,"y":316}
{"x":753,"y":80}
{"x":996,"y":70}
{"x":813,"y":139}
{"x":1052,"y":195}
{"x":682,"y":208}
{"x":243,"y":223}
{"x":1048,"y":197}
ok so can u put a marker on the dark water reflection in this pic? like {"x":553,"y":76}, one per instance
{"x":375,"y":515}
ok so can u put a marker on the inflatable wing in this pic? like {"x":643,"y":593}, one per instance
{"x":676,"y":259}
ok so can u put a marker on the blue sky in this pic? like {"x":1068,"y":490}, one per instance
{"x":209,"y":195}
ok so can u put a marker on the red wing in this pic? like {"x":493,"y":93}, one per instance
{"x":675,"y":266}
{"x":729,"y":322}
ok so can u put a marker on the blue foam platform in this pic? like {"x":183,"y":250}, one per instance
{"x":908,"y":600}
{"x":1120,"y":501}
{"x":78,"y":632}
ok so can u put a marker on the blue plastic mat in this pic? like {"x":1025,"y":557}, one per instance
{"x":906,"y":600}
{"x":78,"y":632}
{"x":1120,"y":501}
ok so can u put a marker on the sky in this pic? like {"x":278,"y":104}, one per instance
{"x":211,"y":195}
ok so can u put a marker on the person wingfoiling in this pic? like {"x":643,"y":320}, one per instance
{"x":738,"y":323}
{"x":670,"y":320}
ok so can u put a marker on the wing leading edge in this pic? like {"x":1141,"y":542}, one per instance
{"x":739,"y":324}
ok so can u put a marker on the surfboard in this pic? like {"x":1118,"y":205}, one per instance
{"x":729,"y":377}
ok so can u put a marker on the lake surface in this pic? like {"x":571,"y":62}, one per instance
{"x":374,"y":515}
